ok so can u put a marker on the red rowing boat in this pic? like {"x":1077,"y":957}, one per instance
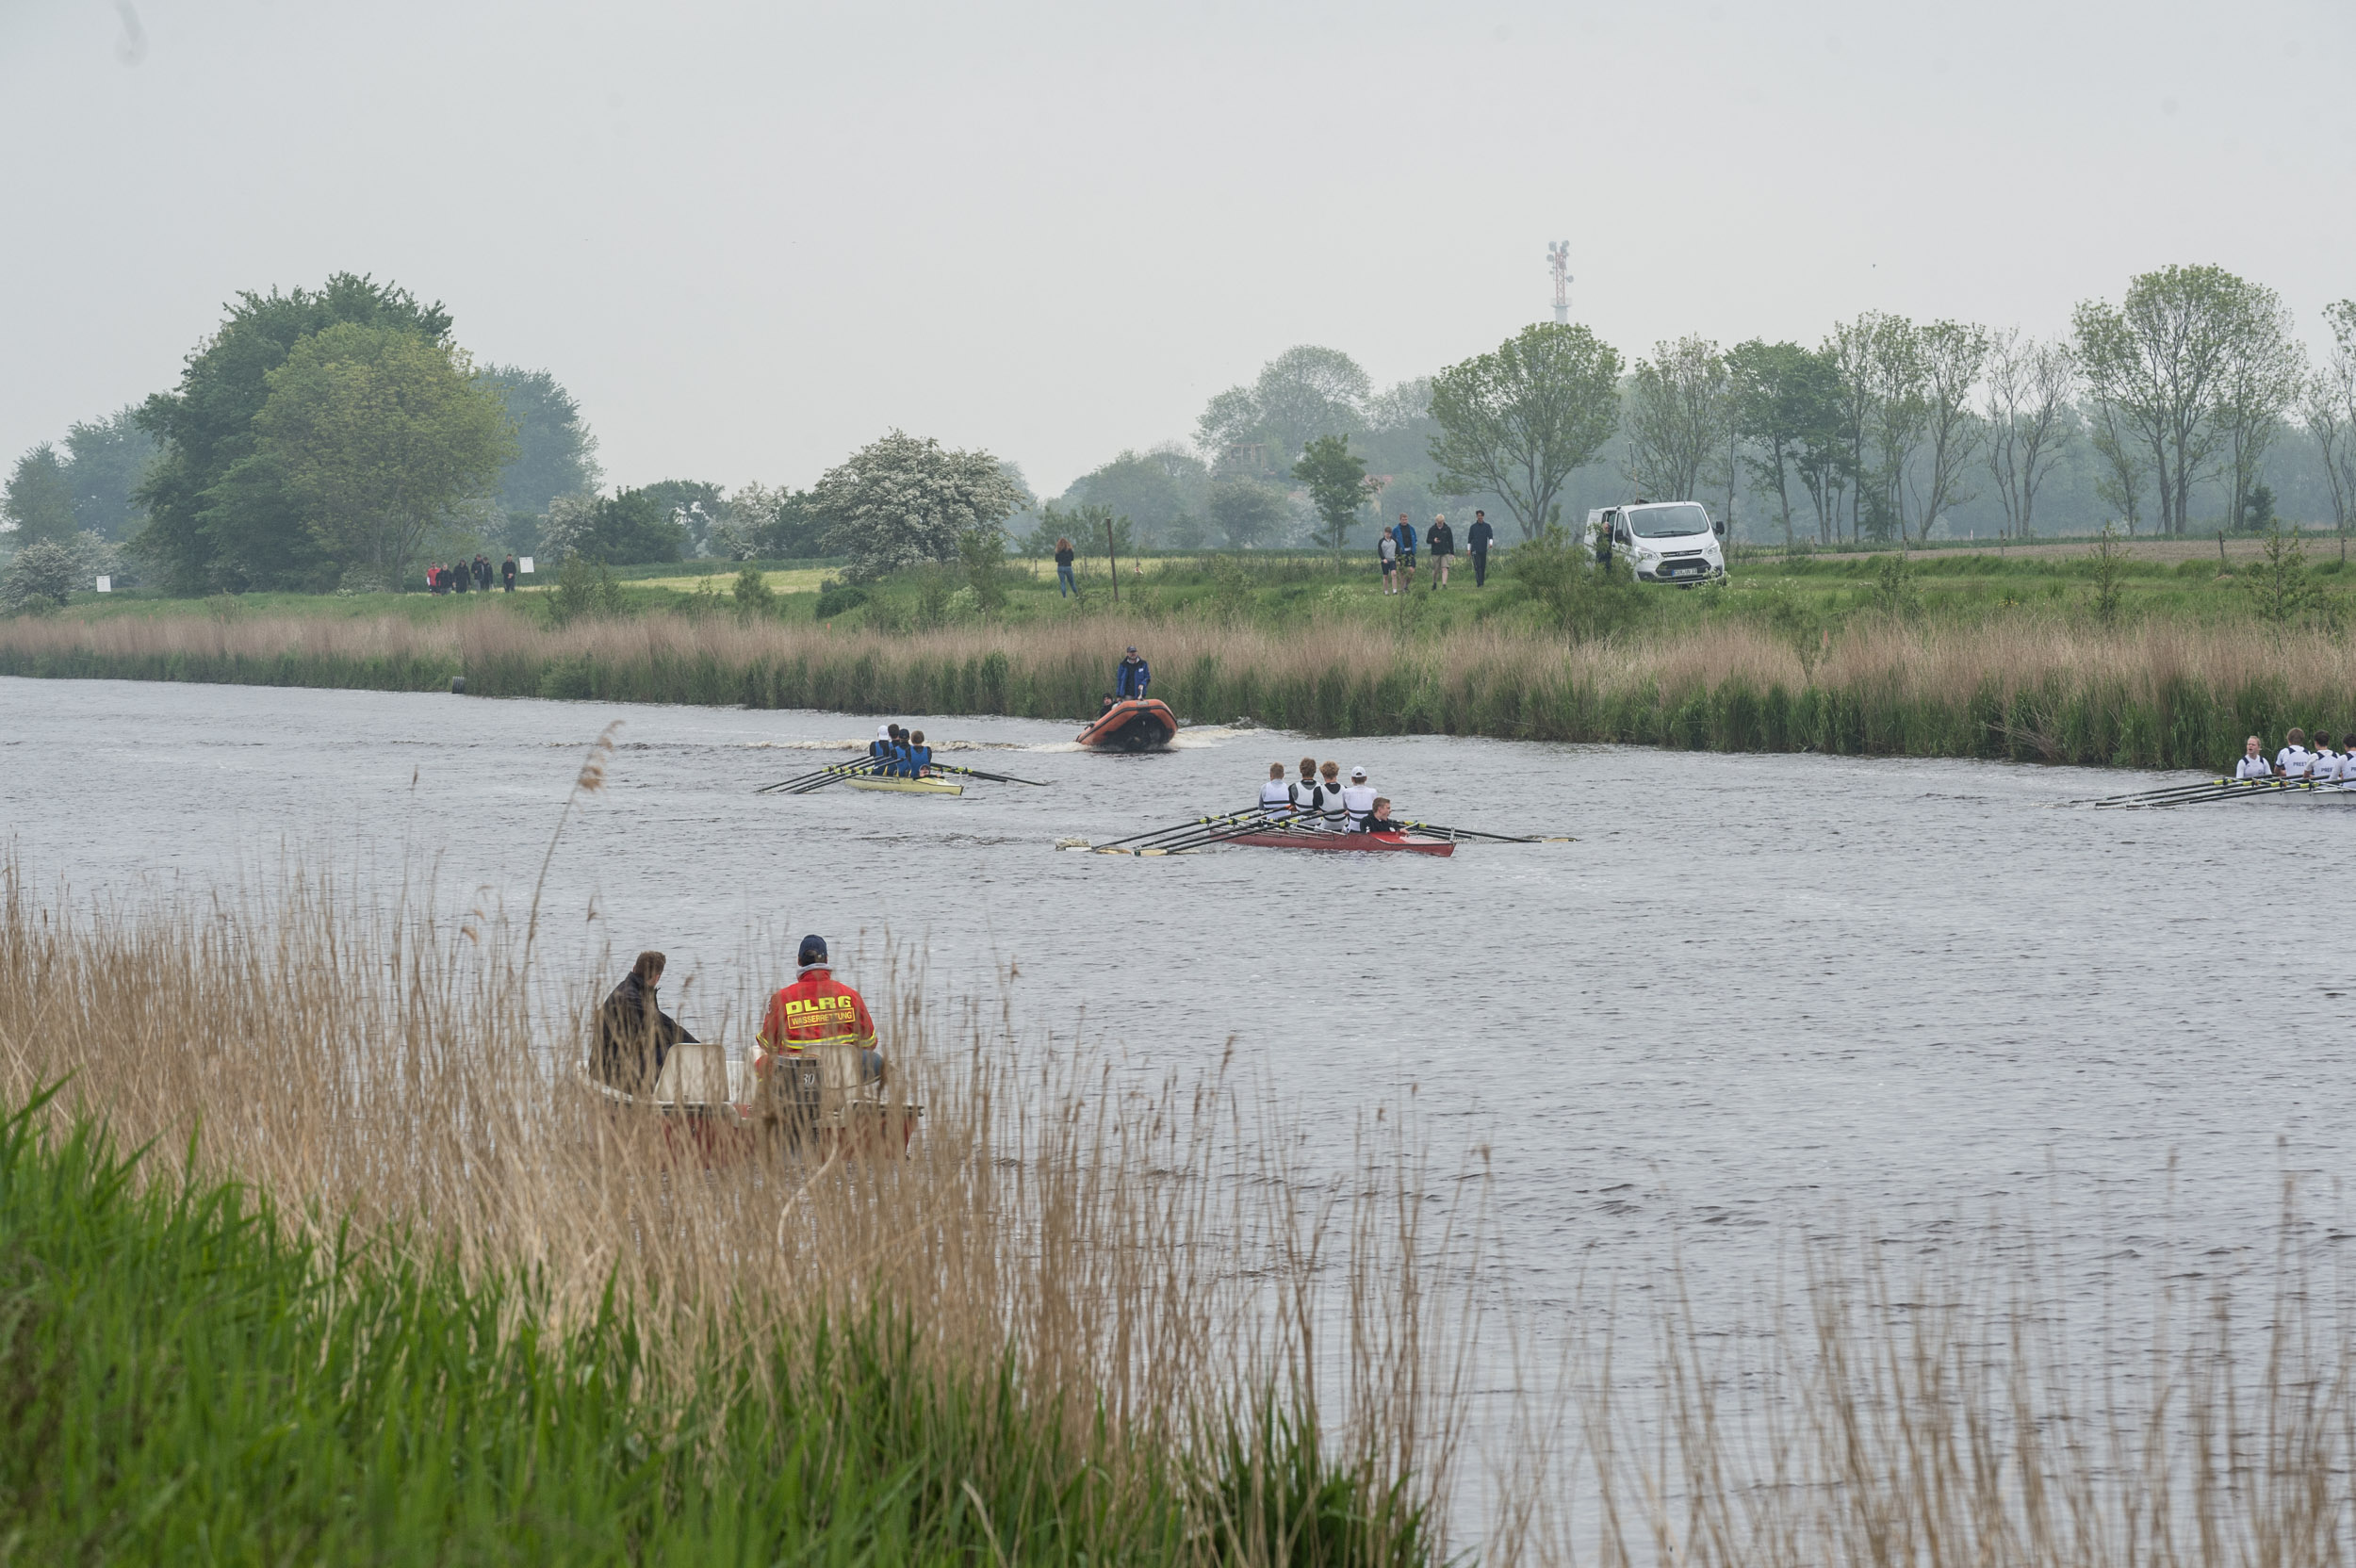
{"x":1414,"y":843}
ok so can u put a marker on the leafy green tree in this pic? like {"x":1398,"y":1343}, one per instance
{"x":697,"y":508}
{"x":555,"y":452}
{"x":1783,"y":404}
{"x":1577,"y":599}
{"x":378,"y":433}
{"x":2257,"y":512}
{"x":38,"y":498}
{"x":201,"y":534}
{"x":2282,"y":590}
{"x":584,"y":590}
{"x":2158,"y":365}
{"x":982,"y":552}
{"x":2110,"y":576}
{"x":631,"y":527}
{"x":40,"y":577}
{"x":900,"y":501}
{"x":1518,"y":422}
{"x":1301,"y":394}
{"x":1245,"y":512}
{"x":1681,"y":413}
{"x":107,"y":460}
{"x":1336,"y":482}
{"x":753,"y":594}
{"x":1155,"y":490}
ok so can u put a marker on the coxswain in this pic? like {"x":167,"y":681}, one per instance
{"x":1329,"y":785}
{"x":2294,"y":759}
{"x":1358,"y":798}
{"x":1130,"y":677}
{"x":1378,"y":817}
{"x":1276,"y":797}
{"x":1307,"y":797}
{"x":816,"y":1011}
{"x":2253,"y":763}
{"x":919,"y":755}
{"x":879,"y":749}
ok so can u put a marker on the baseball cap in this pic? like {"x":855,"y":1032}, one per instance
{"x":813,"y":952}
{"x":1357,"y":773}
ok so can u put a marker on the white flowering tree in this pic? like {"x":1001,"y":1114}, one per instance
{"x":900,"y":501}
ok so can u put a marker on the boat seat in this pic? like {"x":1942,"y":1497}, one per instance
{"x":694,"y":1074}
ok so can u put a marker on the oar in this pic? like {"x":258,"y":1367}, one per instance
{"x":834,"y":776}
{"x":2236,"y":790}
{"x":1493,"y":838}
{"x":805,"y":777}
{"x":1220,"y":835}
{"x":2169,"y":792}
{"x":1184,"y":827}
{"x":990,"y":778}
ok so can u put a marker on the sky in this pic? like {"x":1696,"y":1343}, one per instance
{"x":752,"y":236}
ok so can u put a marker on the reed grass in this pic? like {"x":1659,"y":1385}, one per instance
{"x":2159,"y":694}
{"x":413,"y":1293}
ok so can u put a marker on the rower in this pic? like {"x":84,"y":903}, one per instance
{"x":2253,"y":763}
{"x":920,"y":756}
{"x":815,"y":1011}
{"x":2330,"y":767}
{"x":1379,"y":818}
{"x":1329,"y":785}
{"x":1130,"y":677}
{"x":1307,"y":797}
{"x":883,"y":747}
{"x":1358,"y":798}
{"x":1275,"y":797}
{"x":2294,"y":759}
{"x":903,"y":755}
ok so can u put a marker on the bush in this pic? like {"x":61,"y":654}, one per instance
{"x":753,"y":594}
{"x":835,"y":596}
{"x":40,"y":577}
{"x":585,"y":590}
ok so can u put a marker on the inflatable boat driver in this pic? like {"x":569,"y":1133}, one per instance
{"x":1130,"y":677}
{"x":817,"y":1009}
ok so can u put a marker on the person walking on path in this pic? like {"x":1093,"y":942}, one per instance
{"x":1406,"y":555}
{"x":1387,"y":548}
{"x":1065,"y":584}
{"x":507,"y":574}
{"x":1443,"y":542}
{"x":1478,"y":536}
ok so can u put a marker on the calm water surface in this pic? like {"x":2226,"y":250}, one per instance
{"x":1762,"y":996}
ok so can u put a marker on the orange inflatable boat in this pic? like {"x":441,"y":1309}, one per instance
{"x":1137,"y":725}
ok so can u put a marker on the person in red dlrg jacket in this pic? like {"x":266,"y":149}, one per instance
{"x":818,"y":1010}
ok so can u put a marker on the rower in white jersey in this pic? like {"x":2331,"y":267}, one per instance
{"x":1275,"y":798}
{"x":2294,"y":759}
{"x":2253,"y":763}
{"x":1308,"y":798}
{"x":1329,"y":785}
{"x":1358,"y":798}
{"x":2330,"y":767}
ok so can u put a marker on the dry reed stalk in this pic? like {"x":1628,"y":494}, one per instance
{"x":1143,"y":1261}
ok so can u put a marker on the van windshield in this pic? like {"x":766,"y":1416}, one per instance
{"x":1667,"y":522}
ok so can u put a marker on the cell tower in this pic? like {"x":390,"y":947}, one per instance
{"x":1559,"y":262}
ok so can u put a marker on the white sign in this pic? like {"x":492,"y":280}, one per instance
{"x":105,"y":585}
{"x":524,"y":565}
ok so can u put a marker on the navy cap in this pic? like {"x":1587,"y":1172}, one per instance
{"x":813,"y":952}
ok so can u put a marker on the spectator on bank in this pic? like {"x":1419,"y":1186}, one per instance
{"x":1405,"y":533}
{"x":1478,"y":537}
{"x":1442,"y":542}
{"x":481,"y":575}
{"x":460,"y":578}
{"x":507,"y":574}
{"x":1065,"y":584}
{"x":1386,"y":550}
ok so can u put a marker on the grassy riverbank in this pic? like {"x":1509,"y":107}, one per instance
{"x":2023,"y":684}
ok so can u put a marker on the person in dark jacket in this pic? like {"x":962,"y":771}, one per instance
{"x":460,"y":578}
{"x":634,"y":1034}
{"x":481,"y":574}
{"x":1476,"y":538}
{"x":1129,"y":676}
{"x":507,"y":574}
{"x":1441,"y":542}
{"x":1065,"y":584}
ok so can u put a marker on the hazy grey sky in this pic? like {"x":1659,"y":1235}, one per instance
{"x":750,"y":236}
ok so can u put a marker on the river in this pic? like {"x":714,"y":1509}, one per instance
{"x":1761,"y":997}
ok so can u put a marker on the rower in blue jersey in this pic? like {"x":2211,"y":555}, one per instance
{"x":920,"y":756}
{"x":879,"y":749}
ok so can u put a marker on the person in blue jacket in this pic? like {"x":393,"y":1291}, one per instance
{"x":1406,"y":554}
{"x":1130,"y":677}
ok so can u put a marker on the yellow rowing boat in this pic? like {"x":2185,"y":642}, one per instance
{"x":907,"y":786}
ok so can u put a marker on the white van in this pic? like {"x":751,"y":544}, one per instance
{"x":1665,"y":541}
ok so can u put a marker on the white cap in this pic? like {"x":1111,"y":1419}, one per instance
{"x":883,"y":732}
{"x":1357,"y":773}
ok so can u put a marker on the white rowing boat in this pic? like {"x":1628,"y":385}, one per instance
{"x":907,"y":786}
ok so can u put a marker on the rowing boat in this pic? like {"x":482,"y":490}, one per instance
{"x":907,"y":786}
{"x":1412,"y":843}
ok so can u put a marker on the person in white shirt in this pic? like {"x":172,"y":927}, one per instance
{"x":1358,"y":799}
{"x":1329,"y":785}
{"x":1275,"y":799}
{"x":2253,"y":763}
{"x":2330,"y":766}
{"x":1308,"y":797}
{"x":2294,"y":759}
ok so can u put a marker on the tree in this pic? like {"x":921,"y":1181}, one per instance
{"x":38,"y":499}
{"x":2264,"y":366}
{"x":40,"y":577}
{"x":1784,"y":400}
{"x":1156,"y":490}
{"x":757,"y":523}
{"x":1951,"y":355}
{"x":1680,"y":407}
{"x":902,"y":500}
{"x":202,"y":532}
{"x":625,"y":528}
{"x":2029,"y":389}
{"x":1301,"y":394}
{"x":555,"y":452}
{"x":107,"y":462}
{"x":1245,"y":512}
{"x":378,"y":433}
{"x":1518,"y":422}
{"x":2328,"y":407}
{"x":2157,"y":368}
{"x":1335,"y":478}
{"x":2127,"y":463}
{"x":1850,"y":352}
{"x":1895,"y":412}
{"x":695,"y":505}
